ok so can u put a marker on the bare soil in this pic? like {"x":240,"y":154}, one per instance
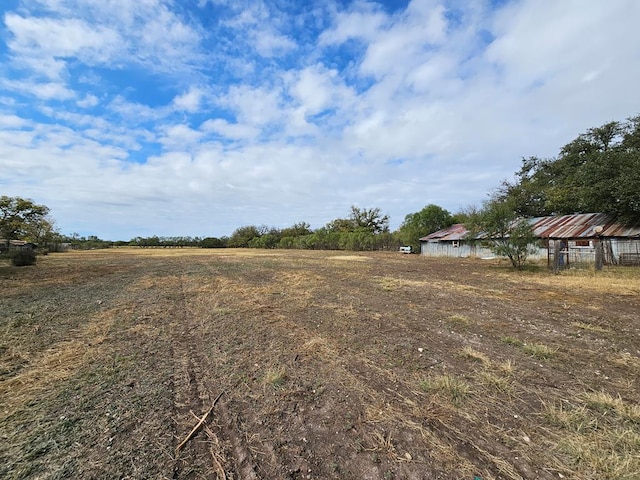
{"x":325,"y":365}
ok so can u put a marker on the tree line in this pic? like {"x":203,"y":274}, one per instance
{"x":599,"y":171}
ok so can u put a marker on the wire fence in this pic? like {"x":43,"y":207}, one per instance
{"x":564,"y":254}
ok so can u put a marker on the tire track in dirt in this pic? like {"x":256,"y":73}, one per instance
{"x":378,"y":390}
{"x":224,"y":454}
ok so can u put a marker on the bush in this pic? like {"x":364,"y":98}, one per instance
{"x":23,"y":257}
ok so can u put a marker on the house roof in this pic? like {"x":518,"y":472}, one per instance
{"x":564,"y":226}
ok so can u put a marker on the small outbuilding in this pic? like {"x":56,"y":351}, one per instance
{"x":452,"y":241}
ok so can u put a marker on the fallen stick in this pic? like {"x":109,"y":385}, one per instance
{"x":195,"y":429}
{"x":212,"y":436}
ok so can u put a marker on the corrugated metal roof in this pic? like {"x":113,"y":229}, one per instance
{"x":579,"y":225}
{"x":582,"y":225}
{"x":454,"y":232}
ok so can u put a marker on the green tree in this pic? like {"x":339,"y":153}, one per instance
{"x":599,"y":171}
{"x":20,"y":218}
{"x":242,"y":236}
{"x":507,"y":233}
{"x":296,"y":230}
{"x":369,"y":219}
{"x":212,"y":242}
{"x":428,"y":220}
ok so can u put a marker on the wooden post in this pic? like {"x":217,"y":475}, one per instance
{"x":557,"y":252}
{"x":599,"y":253}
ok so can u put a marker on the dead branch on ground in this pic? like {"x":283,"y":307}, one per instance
{"x":198,"y":425}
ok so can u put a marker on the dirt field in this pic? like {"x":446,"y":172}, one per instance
{"x":317,"y":365}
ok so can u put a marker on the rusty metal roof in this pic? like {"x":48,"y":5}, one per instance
{"x":454,"y":232}
{"x":582,"y":225}
{"x":579,"y":225}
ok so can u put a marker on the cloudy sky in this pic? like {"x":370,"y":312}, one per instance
{"x":194,"y":117}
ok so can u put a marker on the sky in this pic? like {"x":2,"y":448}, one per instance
{"x":195,"y":117}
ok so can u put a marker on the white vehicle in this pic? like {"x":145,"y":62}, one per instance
{"x":405,"y":249}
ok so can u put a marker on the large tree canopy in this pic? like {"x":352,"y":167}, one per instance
{"x":361,"y":219}
{"x":597,"y":172}
{"x":428,"y":220}
{"x":21,"y":218}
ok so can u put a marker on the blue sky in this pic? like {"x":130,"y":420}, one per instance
{"x":197,"y":117}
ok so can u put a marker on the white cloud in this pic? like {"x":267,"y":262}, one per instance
{"x":179,"y":136}
{"x":269,"y":43}
{"x":363,"y":22}
{"x":12,"y":121}
{"x":132,"y":111}
{"x":260,"y":28}
{"x":189,"y":101}
{"x":255,"y":106}
{"x":88,"y":101}
{"x":234,"y":131}
{"x":60,"y":38}
{"x":41,"y":90}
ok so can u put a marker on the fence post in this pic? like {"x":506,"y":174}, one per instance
{"x":599,"y":253}
{"x":557,"y":256}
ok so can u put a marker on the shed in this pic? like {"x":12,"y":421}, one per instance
{"x":452,"y":241}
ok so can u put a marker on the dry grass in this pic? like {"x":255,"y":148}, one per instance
{"x":509,"y":340}
{"x":475,"y":355}
{"x":391,"y":284}
{"x":599,"y":435}
{"x":589,"y":327}
{"x":275,"y":376}
{"x":459,"y":320}
{"x":352,"y":258}
{"x":508,"y":367}
{"x":612,"y":280}
{"x":297,"y":340}
{"x":54,"y":365}
{"x":496,"y":382}
{"x":539,"y":350}
{"x":454,"y":388}
{"x":605,"y":403}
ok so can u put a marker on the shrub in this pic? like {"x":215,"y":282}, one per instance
{"x":23,"y":257}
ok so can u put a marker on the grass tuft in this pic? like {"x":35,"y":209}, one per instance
{"x":472,"y":354}
{"x":275,"y":376}
{"x":589,"y":327}
{"x":516,"y":342}
{"x":508,"y":367}
{"x":501,"y":384}
{"x":569,"y":417}
{"x":453,"y":387}
{"x":539,"y":350}
{"x":459,"y":320}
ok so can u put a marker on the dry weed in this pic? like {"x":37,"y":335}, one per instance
{"x":589,"y":327}
{"x":275,"y":376}
{"x":455,"y":388}
{"x":472,"y":354}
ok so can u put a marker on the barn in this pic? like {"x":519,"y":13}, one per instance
{"x":572,"y":237}
{"x":453,"y":241}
